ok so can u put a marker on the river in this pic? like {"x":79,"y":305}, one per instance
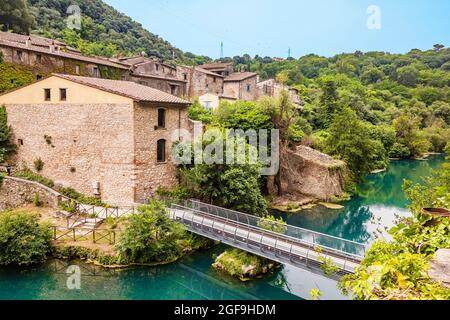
{"x":192,"y":278}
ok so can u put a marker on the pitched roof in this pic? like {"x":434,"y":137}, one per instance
{"x":60,"y":53}
{"x":215,"y":65}
{"x":240,"y":76}
{"x":35,"y":40}
{"x":129,"y":89}
{"x":208,"y":72}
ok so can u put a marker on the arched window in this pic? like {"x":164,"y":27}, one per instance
{"x":161,"y":151}
{"x":161,"y":118}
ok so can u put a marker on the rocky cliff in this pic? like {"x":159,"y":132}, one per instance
{"x":309,"y":174}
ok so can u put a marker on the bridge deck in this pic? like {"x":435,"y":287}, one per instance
{"x":265,"y":243}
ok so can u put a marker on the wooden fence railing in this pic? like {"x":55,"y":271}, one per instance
{"x":96,"y":235}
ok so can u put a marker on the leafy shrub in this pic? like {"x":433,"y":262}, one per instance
{"x":23,"y":241}
{"x":399,"y":151}
{"x":271,"y":223}
{"x":150,"y":236}
{"x":236,"y":262}
{"x":38,"y":164}
{"x":75,"y":195}
{"x":397,"y":269}
{"x":36,"y":201}
{"x":27,"y":174}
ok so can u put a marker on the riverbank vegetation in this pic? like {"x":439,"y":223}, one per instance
{"x":397,"y":269}
{"x":243,"y":265}
{"x":23,"y":240}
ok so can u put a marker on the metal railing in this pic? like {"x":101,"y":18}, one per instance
{"x":308,"y":237}
{"x":262,"y":242}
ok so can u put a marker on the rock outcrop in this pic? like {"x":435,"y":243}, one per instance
{"x":440,"y":267}
{"x":308,"y":173}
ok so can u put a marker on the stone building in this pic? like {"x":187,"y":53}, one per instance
{"x":272,"y":88}
{"x":102,"y":137}
{"x":241,"y":86}
{"x":155,"y":74}
{"x":200,"y":81}
{"x":223,"y":69}
{"x":45,"y":56}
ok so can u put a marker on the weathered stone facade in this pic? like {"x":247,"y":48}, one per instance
{"x":15,"y":193}
{"x":244,"y":89}
{"x":44,"y":60}
{"x":95,"y":137}
{"x":200,"y":82}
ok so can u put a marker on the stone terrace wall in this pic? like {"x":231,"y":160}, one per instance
{"x":15,"y":192}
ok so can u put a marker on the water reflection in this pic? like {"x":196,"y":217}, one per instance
{"x":379,"y":199}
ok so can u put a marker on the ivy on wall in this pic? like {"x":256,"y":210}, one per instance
{"x":14,"y":76}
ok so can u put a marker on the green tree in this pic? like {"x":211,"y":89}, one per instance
{"x":234,"y":186}
{"x":150,"y":236}
{"x":410,"y":135}
{"x":23,"y":241}
{"x":5,"y":134}
{"x":408,"y":76}
{"x":14,"y":15}
{"x":349,"y":139}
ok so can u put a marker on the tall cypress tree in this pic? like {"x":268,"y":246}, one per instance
{"x":5,"y":133}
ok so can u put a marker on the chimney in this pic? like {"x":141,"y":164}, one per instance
{"x":28,"y":42}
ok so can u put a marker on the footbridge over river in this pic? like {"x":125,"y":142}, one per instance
{"x":269,"y":239}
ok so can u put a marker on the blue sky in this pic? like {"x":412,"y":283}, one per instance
{"x":271,"y":27}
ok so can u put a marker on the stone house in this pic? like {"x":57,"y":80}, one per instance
{"x":223,"y":69}
{"x":241,"y":86}
{"x":45,"y":56}
{"x":155,"y":74}
{"x":200,"y":81}
{"x":108,"y":138}
{"x":272,"y":88}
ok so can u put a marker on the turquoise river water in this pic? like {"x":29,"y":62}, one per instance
{"x":192,"y":278}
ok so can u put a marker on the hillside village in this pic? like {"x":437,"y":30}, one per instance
{"x":126,"y":161}
{"x":209,"y":82}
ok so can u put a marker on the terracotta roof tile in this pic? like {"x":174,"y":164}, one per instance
{"x":60,"y":53}
{"x":240,"y":76}
{"x":128,"y":89}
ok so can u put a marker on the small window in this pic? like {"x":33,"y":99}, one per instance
{"x":214,"y":79}
{"x":161,"y":150}
{"x":185,"y":77}
{"x":19,"y":55}
{"x":249,"y":87}
{"x":20,"y":142}
{"x":96,"y":73}
{"x":173,"y":89}
{"x":77,"y":69}
{"x":48,"y":94}
{"x":63,"y":94}
{"x":38,"y":58}
{"x":157,"y":67}
{"x":161,"y":118}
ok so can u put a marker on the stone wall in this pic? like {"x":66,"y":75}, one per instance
{"x":239,"y":89}
{"x":15,"y":192}
{"x":80,"y":144}
{"x":200,"y":83}
{"x":51,"y":63}
{"x":150,"y":175}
